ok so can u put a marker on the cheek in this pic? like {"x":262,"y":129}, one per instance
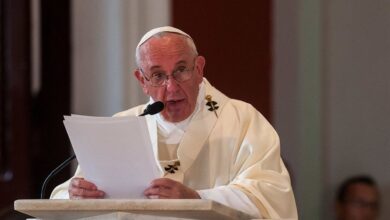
{"x":157,"y":93}
{"x":193,"y":94}
{"x":146,"y":90}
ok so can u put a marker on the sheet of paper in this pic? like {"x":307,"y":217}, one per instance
{"x":115,"y":153}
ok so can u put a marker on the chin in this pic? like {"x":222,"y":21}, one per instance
{"x":175,"y":116}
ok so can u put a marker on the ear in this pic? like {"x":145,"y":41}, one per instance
{"x":200,"y":63}
{"x":141,"y":80}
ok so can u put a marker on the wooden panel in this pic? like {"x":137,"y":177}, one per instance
{"x":14,"y":99}
{"x":50,"y":142}
{"x":33,"y":140}
{"x":235,"y":38}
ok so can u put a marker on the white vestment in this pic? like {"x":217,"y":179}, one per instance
{"x":228,"y":157}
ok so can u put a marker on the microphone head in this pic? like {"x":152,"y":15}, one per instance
{"x":153,"y":108}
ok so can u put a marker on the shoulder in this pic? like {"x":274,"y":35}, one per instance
{"x":247,"y":115}
{"x":242,"y":109}
{"x":131,"y":112}
{"x":252,"y":126}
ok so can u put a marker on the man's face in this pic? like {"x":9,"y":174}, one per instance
{"x":361,"y":203}
{"x":164,"y":55}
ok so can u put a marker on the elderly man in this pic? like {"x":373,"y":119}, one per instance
{"x":211,"y":146}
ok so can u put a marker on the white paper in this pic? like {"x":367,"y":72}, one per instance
{"x":115,"y":153}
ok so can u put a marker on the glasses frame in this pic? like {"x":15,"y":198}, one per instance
{"x":170,"y":75}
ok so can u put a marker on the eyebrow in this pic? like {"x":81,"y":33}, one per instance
{"x":158,"y":66}
{"x":181,"y":62}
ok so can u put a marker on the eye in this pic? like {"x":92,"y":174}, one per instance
{"x":158,"y":76}
{"x":181,"y":69}
{"x":179,"y":72}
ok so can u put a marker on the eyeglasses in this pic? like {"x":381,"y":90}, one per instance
{"x":181,"y":74}
{"x":362,"y":204}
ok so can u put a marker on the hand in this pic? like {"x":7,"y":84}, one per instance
{"x":79,"y":188}
{"x":164,"y":188}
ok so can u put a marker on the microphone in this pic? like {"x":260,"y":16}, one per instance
{"x":153,"y":108}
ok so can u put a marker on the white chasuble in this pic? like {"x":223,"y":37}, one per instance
{"x":231,"y":154}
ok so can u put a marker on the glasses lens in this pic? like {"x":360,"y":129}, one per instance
{"x":179,"y":75}
{"x":183,"y":75}
{"x":158,"y":79}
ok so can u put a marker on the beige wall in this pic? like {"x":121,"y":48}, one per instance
{"x":358,"y":92}
{"x":105,"y":34}
{"x":339,"y":52}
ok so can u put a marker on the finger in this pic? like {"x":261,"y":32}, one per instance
{"x":156,"y":191}
{"x":164,"y":197}
{"x":163,"y":182}
{"x":75,"y":197}
{"x":75,"y":192}
{"x":82,"y":183}
{"x":84,"y":197}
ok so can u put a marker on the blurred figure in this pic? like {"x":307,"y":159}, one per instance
{"x":358,"y":199}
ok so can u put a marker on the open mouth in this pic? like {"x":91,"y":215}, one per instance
{"x":174,"y":102}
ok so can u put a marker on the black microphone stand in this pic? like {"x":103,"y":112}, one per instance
{"x":54,"y":172}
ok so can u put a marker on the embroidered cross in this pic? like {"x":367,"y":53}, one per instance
{"x":213,"y":105}
{"x":172,"y":168}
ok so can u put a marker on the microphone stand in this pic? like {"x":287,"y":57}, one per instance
{"x":54,"y":172}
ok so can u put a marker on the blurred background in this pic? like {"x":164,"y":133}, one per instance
{"x":319,"y":70}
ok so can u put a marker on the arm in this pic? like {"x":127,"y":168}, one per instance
{"x":262,"y":176}
{"x":165,"y":188}
{"x":232,"y":197}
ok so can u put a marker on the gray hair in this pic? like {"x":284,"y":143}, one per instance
{"x":189,"y":41}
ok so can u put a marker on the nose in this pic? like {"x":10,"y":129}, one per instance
{"x":172,"y":85}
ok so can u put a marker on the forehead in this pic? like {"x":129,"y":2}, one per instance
{"x":363,"y":191}
{"x":165,"y":48}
